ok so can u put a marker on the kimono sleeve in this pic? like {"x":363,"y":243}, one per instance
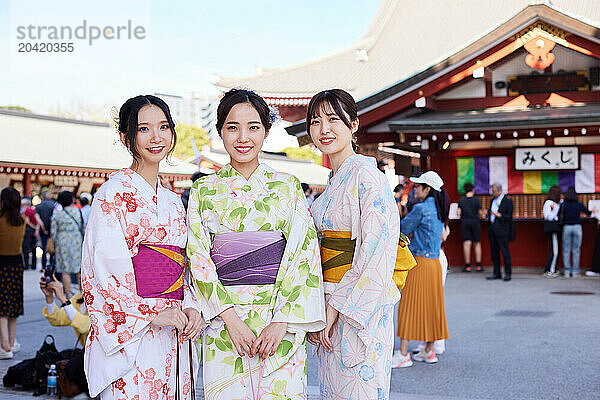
{"x":300,"y":299}
{"x":119,"y":317}
{"x":189,"y":297}
{"x":213,"y":295}
{"x":368,"y":285}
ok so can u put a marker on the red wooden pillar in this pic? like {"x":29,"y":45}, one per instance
{"x":27,"y":184}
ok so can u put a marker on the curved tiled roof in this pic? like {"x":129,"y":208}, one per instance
{"x":59,"y":142}
{"x":404,"y":38}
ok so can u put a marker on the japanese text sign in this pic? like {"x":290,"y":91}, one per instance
{"x":562,"y":158}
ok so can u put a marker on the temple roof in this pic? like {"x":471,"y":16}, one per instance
{"x":59,"y":142}
{"x":405,"y":38}
{"x":498,"y":118}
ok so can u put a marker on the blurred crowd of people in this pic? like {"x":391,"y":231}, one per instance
{"x":54,"y":226}
{"x":423,"y":205}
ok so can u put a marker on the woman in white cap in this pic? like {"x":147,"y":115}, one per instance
{"x":421,"y":313}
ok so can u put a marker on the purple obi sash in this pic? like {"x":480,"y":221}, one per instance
{"x":247,"y":258}
{"x":158,"y":270}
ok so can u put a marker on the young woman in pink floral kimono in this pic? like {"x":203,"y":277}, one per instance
{"x":136,"y":343}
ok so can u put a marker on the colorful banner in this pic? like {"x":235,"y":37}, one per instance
{"x":484,"y":171}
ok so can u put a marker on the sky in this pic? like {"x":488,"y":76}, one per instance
{"x":185,"y":45}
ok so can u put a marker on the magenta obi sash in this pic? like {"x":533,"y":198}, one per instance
{"x":159,"y":271}
{"x":247,"y":258}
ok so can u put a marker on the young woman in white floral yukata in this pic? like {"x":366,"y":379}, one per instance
{"x":134,"y":342}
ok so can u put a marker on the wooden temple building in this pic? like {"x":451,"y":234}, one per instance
{"x":38,"y":151}
{"x":484,"y":92}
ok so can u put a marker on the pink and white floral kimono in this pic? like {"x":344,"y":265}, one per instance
{"x":126,"y":357}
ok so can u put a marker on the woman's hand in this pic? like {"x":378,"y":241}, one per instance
{"x":58,"y":289}
{"x":171,"y":317}
{"x":49,"y":293}
{"x":314,"y":338}
{"x":269,"y":339}
{"x":194,"y":325}
{"x":241,"y":336}
{"x":331,"y":316}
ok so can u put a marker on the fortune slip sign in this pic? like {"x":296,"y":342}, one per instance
{"x":555,"y":158}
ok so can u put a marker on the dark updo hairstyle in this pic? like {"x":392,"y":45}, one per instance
{"x":554,"y":193}
{"x":10,"y":205}
{"x":128,"y":121}
{"x":65,"y":198}
{"x":339,"y":100}
{"x":84,"y":201}
{"x":237,"y":96}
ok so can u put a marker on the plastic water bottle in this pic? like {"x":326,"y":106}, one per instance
{"x":51,"y":382}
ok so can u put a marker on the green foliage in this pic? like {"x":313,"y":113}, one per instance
{"x":265,"y":227}
{"x":184,"y":149}
{"x":253,"y":321}
{"x":205,"y":288}
{"x":210,"y":354}
{"x":303,"y":153}
{"x":284,"y":348}
{"x":16,"y":108}
{"x":262,"y":298}
{"x":223,"y":342}
{"x":295,"y":293}
{"x":286,"y":309}
{"x":222,"y":295}
{"x":261,"y":206}
{"x":298,"y":311}
{"x":282,"y":187}
{"x":229,"y":360}
{"x":312,"y":281}
{"x":238,"y":369}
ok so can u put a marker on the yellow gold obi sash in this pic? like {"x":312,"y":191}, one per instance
{"x":337,"y":252}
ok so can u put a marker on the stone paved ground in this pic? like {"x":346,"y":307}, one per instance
{"x":509,"y":340}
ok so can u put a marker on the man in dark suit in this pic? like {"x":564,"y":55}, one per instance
{"x":500,"y":231}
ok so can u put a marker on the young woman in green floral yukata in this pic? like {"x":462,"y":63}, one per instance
{"x":255,"y":264}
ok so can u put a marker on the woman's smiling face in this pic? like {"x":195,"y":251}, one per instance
{"x":329,"y":132}
{"x":154,"y":135}
{"x":243,"y":134}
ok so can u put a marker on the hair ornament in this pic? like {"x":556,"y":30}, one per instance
{"x":273,"y":114}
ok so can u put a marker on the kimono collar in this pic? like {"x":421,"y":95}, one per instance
{"x":134,"y":179}
{"x":348,"y":166}
{"x":229,"y":172}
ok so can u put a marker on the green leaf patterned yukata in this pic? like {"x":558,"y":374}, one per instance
{"x":268,"y":201}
